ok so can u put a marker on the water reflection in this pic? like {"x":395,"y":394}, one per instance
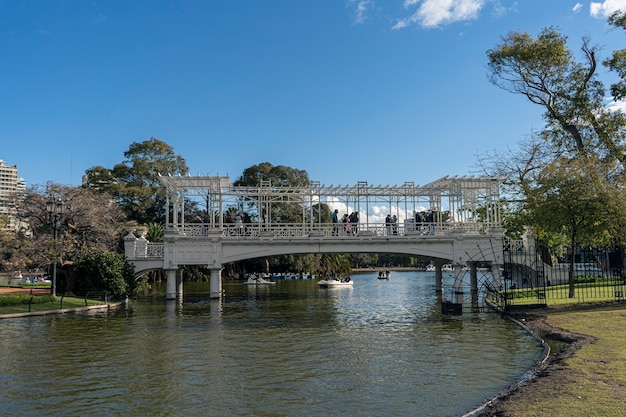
{"x":380,"y":348}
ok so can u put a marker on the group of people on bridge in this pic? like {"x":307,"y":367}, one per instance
{"x":422,"y":219}
{"x":348,"y":226}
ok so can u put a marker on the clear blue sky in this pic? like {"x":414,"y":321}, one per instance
{"x":384,"y":91}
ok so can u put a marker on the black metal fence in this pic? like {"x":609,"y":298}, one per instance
{"x":533,"y":276}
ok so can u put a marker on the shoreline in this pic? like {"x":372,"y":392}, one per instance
{"x":547,"y":371}
{"x":534,"y":372}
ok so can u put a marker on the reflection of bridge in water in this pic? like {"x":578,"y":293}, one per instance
{"x":458,"y":222}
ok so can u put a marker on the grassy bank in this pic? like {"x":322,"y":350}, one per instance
{"x":588,"y":379}
{"x":53,"y":304}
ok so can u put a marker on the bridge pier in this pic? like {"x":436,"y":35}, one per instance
{"x":179,"y":284}
{"x":215,"y":283}
{"x":171,"y":287}
{"x":458,"y":284}
{"x":438,"y":279}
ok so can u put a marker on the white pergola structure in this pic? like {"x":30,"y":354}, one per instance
{"x":468,"y":203}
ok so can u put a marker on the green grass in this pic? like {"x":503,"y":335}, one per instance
{"x":52,"y":304}
{"x":558,"y":295}
{"x":594,"y":383}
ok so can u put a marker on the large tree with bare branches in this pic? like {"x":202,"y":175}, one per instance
{"x":545,"y":71}
{"x":568,"y":179}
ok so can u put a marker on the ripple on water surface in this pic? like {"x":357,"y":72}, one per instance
{"x":381,"y":348}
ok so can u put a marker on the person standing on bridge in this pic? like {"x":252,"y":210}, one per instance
{"x":336,"y":223}
{"x":345,"y":220}
{"x":418,"y":221}
{"x":430,"y":219}
{"x":239,"y":223}
{"x":354,"y":222}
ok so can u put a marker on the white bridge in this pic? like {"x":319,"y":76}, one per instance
{"x":210,"y":222}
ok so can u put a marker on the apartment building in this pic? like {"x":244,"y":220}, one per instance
{"x":11,"y":188}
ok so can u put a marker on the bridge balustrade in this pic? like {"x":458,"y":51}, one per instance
{"x":326,"y":230}
{"x":142,"y":249}
{"x":154,"y":250}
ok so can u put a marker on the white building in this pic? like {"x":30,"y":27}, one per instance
{"x":11,"y":188}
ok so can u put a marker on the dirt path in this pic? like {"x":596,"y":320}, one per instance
{"x":17,"y":290}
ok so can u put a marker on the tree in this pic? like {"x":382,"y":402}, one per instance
{"x":90,"y":221}
{"x":15,"y":251}
{"x":546,"y":73}
{"x":617,"y":62}
{"x":520,"y":169}
{"x":292,"y":212}
{"x":279,"y":176}
{"x":573,"y":199}
{"x":135,"y":183}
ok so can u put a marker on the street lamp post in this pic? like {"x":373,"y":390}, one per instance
{"x":55,"y":209}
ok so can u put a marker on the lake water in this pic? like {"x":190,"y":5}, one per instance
{"x":291,"y":349}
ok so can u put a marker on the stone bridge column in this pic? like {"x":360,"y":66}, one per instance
{"x":179,"y":283}
{"x":215,"y":283}
{"x":130,"y":243}
{"x":438,"y":279}
{"x":170,"y":292}
{"x":458,"y":284}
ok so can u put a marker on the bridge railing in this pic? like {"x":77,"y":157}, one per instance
{"x":154,"y":250}
{"x":330,"y":230}
{"x":140,"y":248}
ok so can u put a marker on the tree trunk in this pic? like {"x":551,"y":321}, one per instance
{"x":572,"y":264}
{"x":572,"y":290}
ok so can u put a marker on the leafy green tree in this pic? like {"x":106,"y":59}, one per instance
{"x":567,"y":181}
{"x":617,"y":62}
{"x":545,"y":71}
{"x":292,"y":212}
{"x":104,"y":271}
{"x":101,"y":179}
{"x":334,"y":263}
{"x":135,"y":183}
{"x":573,"y":199}
{"x":279,"y":176}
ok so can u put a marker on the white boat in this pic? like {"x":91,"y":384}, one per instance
{"x":328,"y":283}
{"x":257,"y":280}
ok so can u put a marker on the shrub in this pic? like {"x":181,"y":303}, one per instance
{"x":17,"y":299}
{"x":104,"y":271}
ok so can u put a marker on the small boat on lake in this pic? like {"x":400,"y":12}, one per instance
{"x":254,"y":279}
{"x":335,"y":282}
